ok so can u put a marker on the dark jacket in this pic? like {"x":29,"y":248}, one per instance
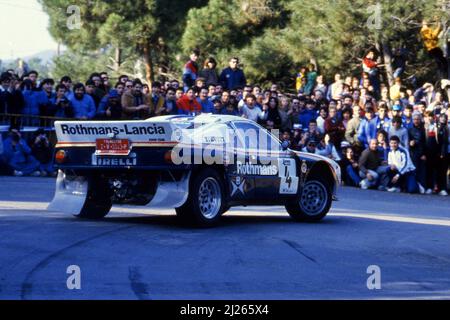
{"x":232,"y":79}
{"x":418,"y":135}
{"x":369,"y":160}
{"x":210,"y":75}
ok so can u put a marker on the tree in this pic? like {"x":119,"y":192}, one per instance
{"x":146,"y":26}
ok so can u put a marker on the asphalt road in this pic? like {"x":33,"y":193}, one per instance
{"x":257,"y":253}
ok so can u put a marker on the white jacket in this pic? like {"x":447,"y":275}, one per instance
{"x":401,"y":160}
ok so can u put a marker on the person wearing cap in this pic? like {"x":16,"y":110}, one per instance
{"x":112,"y":110}
{"x":310,"y":146}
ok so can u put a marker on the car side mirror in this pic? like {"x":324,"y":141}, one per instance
{"x":285,"y":145}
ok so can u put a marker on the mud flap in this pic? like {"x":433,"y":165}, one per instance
{"x":70,"y":194}
{"x":171,"y":194}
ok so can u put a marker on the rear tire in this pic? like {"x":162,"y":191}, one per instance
{"x":98,"y":201}
{"x":205,"y":203}
{"x":313,"y":203}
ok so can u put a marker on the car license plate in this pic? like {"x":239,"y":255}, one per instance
{"x":116,"y":147}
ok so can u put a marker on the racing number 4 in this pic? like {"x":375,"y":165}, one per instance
{"x":288,"y":175}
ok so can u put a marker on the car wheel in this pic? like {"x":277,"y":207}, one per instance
{"x":205,"y":203}
{"x":313,"y":203}
{"x":98,"y":201}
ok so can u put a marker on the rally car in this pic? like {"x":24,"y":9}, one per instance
{"x":200,"y":166}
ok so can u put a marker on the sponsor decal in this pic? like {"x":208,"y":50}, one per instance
{"x":249,"y":169}
{"x":81,"y":129}
{"x":108,"y":161}
{"x":304,"y":167}
{"x":238,"y":186}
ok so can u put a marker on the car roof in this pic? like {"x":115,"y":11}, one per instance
{"x":203,"y":118}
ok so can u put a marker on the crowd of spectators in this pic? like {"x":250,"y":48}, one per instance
{"x":393,"y":138}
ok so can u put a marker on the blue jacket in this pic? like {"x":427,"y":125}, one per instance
{"x":84,"y":107}
{"x":34,"y":99}
{"x":231,"y":79}
{"x":207,"y":105}
{"x":367,"y":131}
{"x":306,"y":116}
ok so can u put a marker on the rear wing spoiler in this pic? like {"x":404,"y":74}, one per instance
{"x":73,"y":132}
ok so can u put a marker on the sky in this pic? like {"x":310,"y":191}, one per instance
{"x":23,"y":29}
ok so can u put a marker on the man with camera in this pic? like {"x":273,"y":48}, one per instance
{"x":18,"y":157}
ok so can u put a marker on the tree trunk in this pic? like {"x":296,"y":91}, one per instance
{"x":117,"y":59}
{"x":387,"y":57}
{"x":148,"y":62}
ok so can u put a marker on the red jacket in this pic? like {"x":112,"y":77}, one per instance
{"x":186,"y":106}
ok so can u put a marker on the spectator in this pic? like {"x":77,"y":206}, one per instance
{"x":190,"y":71}
{"x":64,"y":109}
{"x":90,"y":90}
{"x":401,"y":171}
{"x":308,"y":114}
{"x":209,"y":72}
{"x":351,"y":133}
{"x":370,"y":67}
{"x":417,"y":147}
{"x":83,"y":104}
{"x":136,"y":105}
{"x":43,"y":152}
{"x":33,"y":77}
{"x":170,"y":106}
{"x":207,"y":105}
{"x":435,"y":152}
{"x":327,"y":149}
{"x":46,"y":106}
{"x":401,"y":132}
{"x":323,"y":115}
{"x":350,"y":168}
{"x":407,"y":117}
{"x":217,"y":106}
{"x":334,"y":127}
{"x":62,"y":106}
{"x":395,"y":89}
{"x":157,"y":100}
{"x":4,"y":168}
{"x":233,"y":77}
{"x":382,"y":120}
{"x":67,"y":82}
{"x":188,"y":104}
{"x":252,"y":112}
{"x":273,"y":120}
{"x":383,"y":146}
{"x":311,"y":78}
{"x":430,"y":38}
{"x":368,"y":127}
{"x":371,"y":169}
{"x":18,"y":155}
{"x":119,"y":88}
{"x":112,"y":109}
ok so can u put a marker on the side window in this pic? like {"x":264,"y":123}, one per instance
{"x":252,"y":136}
